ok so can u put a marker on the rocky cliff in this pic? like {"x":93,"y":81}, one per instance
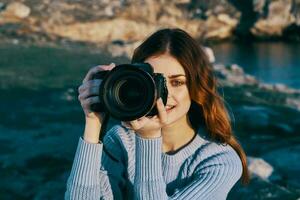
{"x":105,"y":21}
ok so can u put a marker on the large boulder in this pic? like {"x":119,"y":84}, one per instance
{"x":14,"y":12}
{"x":219,"y":27}
{"x":278,"y":18}
{"x":102,"y":31}
{"x":259,"y":167}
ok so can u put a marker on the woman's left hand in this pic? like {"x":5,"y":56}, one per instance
{"x":150,"y":127}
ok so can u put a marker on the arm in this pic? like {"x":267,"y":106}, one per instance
{"x":94,"y":174}
{"x":148,"y":180}
{"x":213,"y":177}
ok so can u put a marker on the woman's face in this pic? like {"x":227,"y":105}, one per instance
{"x":179,"y":100}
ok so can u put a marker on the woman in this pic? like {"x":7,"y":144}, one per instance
{"x":187,"y":151}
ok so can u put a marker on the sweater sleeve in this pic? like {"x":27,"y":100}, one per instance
{"x":213,"y":178}
{"x":148,"y":180}
{"x":96,"y":174}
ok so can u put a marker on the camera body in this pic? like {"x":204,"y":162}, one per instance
{"x":130,"y":91}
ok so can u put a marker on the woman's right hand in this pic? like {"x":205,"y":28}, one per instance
{"x":88,"y":94}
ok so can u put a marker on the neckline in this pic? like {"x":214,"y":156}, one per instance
{"x":170,"y":153}
{"x":184,"y":152}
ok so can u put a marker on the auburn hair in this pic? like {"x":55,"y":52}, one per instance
{"x":207,"y":105}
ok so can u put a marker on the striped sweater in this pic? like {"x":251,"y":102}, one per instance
{"x":131,"y":167}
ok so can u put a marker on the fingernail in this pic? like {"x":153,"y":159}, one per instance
{"x":160,"y":100}
{"x":112,"y":64}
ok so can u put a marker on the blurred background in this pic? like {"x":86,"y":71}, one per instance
{"x":47,"y":47}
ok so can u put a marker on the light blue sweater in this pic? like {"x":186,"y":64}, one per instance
{"x":132,"y":167}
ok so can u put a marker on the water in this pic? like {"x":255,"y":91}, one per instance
{"x":269,"y":62}
{"x":45,"y":67}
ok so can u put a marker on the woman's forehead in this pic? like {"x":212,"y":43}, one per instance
{"x":165,"y":64}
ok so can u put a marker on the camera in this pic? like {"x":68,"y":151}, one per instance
{"x":130,"y":91}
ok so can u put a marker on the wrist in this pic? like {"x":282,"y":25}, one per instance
{"x":149,"y":134}
{"x":92,"y":131}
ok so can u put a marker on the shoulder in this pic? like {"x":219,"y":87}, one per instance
{"x":212,"y":152}
{"x":220,"y":159}
{"x":216,"y":169}
{"x":224,"y":152}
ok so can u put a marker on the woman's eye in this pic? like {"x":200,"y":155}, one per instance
{"x":177,"y":83}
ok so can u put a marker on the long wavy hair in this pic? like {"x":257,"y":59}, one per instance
{"x":207,"y":105}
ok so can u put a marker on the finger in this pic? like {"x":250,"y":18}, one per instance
{"x":138,"y":123}
{"x":92,"y":91}
{"x":96,"y":69}
{"x":111,"y":66}
{"x":91,"y":72}
{"x":107,"y":67}
{"x":153,"y":118}
{"x":88,"y":84}
{"x":162,"y":113}
{"x":86,"y":103}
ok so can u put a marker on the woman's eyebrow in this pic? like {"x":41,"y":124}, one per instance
{"x":176,"y":75}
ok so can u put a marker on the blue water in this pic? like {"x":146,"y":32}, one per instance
{"x":269,"y":62}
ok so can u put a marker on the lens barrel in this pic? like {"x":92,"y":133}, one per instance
{"x":130,"y":91}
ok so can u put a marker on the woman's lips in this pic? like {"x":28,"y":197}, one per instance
{"x":169,"y":108}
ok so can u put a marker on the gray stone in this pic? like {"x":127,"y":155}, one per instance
{"x":260,"y":167}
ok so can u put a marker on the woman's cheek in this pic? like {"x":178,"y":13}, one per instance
{"x":181,"y":94}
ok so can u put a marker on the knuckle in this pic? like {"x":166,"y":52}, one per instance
{"x":89,"y":101}
{"x":80,"y":88}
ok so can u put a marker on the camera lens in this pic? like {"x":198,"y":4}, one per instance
{"x":129,"y":92}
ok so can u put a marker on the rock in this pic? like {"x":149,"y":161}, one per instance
{"x":280,"y":87}
{"x":233,"y":75}
{"x":181,"y":1}
{"x":276,"y":94}
{"x":236,"y":70}
{"x":227,"y":20}
{"x":294,"y":103}
{"x":16,"y":9}
{"x":117,"y":49}
{"x":286,"y":160}
{"x":209,"y":52}
{"x":214,"y":20}
{"x":103,"y":31}
{"x":259,"y":189}
{"x":251,"y":80}
{"x":219,"y":27}
{"x":279,"y":17}
{"x":258,"y":5}
{"x":259,"y":167}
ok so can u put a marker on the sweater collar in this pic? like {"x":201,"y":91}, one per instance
{"x":187,"y":151}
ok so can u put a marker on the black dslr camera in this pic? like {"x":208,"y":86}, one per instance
{"x":130,"y":91}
